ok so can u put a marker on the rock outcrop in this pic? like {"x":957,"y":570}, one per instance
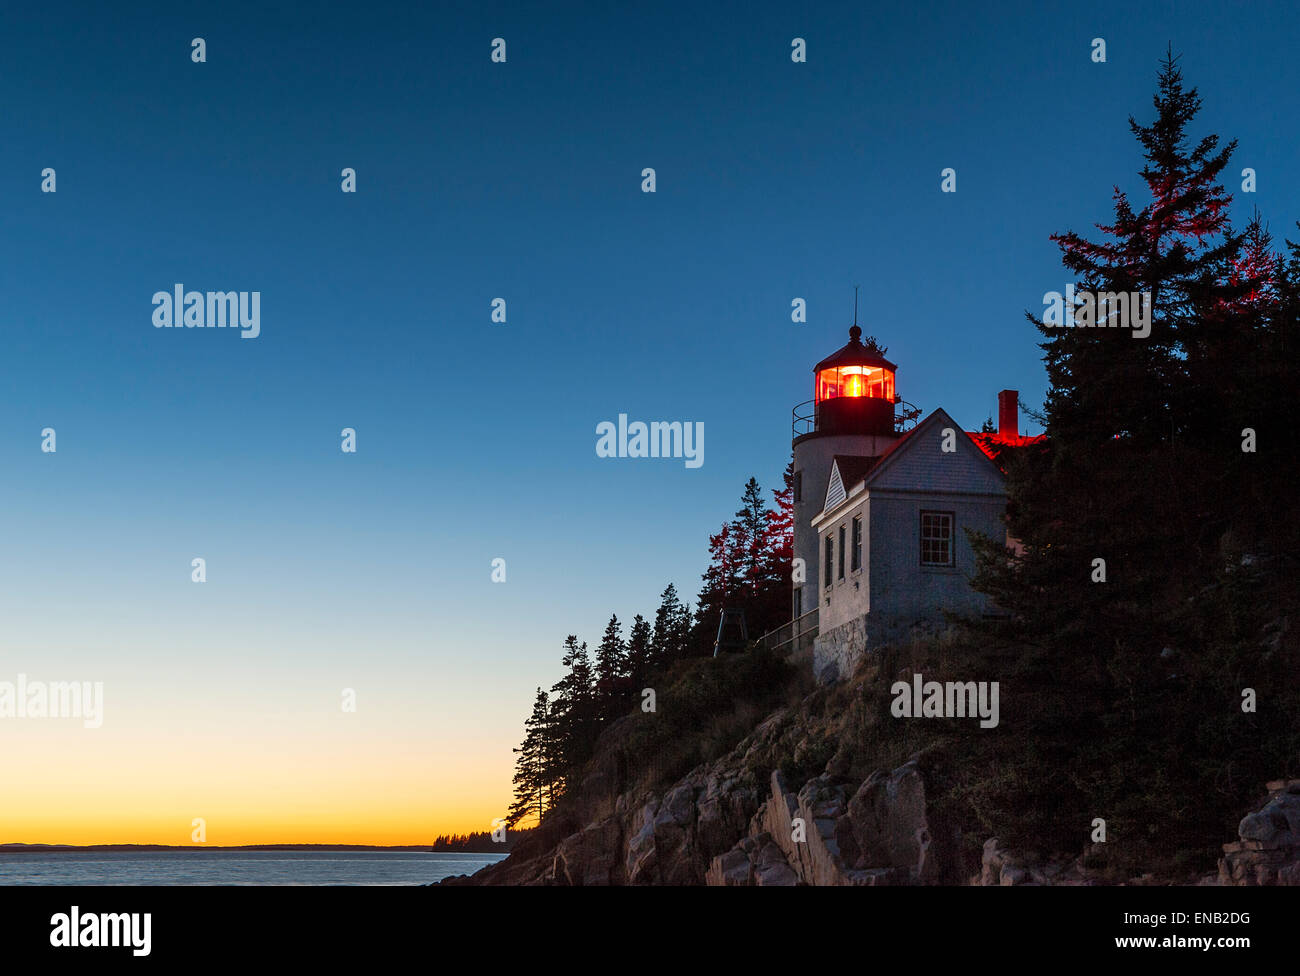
{"x":775,"y":810}
{"x":890,"y":826}
{"x":715,"y":826}
{"x":590,"y":856}
{"x":1267,"y":851}
{"x":756,"y":860}
{"x":834,"y":831}
{"x":1002,"y":867}
{"x":721,"y":824}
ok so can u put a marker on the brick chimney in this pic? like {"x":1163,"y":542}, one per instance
{"x":1009,"y":413}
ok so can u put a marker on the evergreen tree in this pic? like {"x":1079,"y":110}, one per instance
{"x":1126,"y":513}
{"x":534,"y":765}
{"x":1102,"y":381}
{"x":750,"y":529}
{"x":780,"y":532}
{"x":557,"y":775}
{"x":1227,"y":363}
{"x":1117,"y":406}
{"x":778,"y":554}
{"x":1280,"y":382}
{"x":716,"y":593}
{"x":683,"y":629}
{"x":611,"y":655}
{"x":670,"y":636}
{"x":750,"y":562}
{"x":639,"y":648}
{"x":611,"y":671}
{"x":574,"y":704}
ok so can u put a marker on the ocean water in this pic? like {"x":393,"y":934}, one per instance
{"x":202,"y":867}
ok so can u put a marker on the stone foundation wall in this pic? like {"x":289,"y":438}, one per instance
{"x":836,"y":652}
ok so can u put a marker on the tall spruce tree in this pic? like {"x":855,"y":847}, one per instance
{"x":534,"y":765}
{"x":1133,"y":635}
{"x":671,"y":634}
{"x":749,"y":538}
{"x":639,"y":649}
{"x":574,"y":729}
{"x":1227,"y":372}
{"x":781,"y":520}
{"x":749,"y":566}
{"x":778,"y":553}
{"x":717,"y":592}
{"x":1103,"y":382}
{"x":611,"y":670}
{"x":1118,"y":414}
{"x":611,"y":655}
{"x":557,"y":775}
{"x":763,"y":541}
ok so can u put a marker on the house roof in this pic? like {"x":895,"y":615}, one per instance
{"x":992,"y":444}
{"x":900,"y":446}
{"x":854,"y":467}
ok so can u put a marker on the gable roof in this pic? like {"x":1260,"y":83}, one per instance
{"x":853,"y":467}
{"x":904,"y":444}
{"x":847,"y":471}
{"x":938,"y":418}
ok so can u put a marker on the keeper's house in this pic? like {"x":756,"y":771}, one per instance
{"x":881,"y":511}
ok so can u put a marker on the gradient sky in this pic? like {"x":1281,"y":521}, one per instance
{"x":476,"y":440}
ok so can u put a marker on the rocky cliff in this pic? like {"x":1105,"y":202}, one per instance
{"x":728,"y":823}
{"x":790,"y":803}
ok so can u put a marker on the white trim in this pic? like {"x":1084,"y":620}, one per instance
{"x":832,"y":513}
{"x":834,"y":488}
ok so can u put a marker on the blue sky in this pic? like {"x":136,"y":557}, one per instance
{"x":520,"y":180}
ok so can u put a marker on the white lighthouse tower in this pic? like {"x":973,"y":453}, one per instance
{"x":851,"y":417}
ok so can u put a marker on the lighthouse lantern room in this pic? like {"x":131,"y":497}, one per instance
{"x":855,"y":390}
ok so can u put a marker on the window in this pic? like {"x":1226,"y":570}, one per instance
{"x":830,"y":560}
{"x":841,"y":565}
{"x":936,"y":539}
{"x":856,"y":562}
{"x":798,"y":486}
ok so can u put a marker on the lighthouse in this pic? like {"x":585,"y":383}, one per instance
{"x":884,"y":511}
{"x":853,"y":419}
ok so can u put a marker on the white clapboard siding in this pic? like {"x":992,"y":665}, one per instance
{"x":835,"y":492}
{"x":920,"y":464}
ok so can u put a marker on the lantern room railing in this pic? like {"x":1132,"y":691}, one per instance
{"x":804,"y":417}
